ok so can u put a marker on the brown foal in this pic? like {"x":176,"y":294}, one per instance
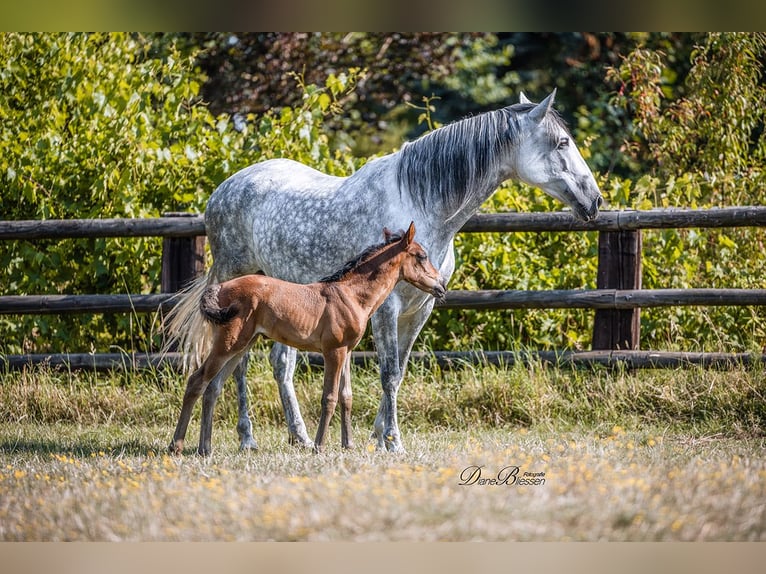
{"x":328,"y":316}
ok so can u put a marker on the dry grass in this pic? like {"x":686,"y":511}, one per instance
{"x":622,"y":486}
{"x":625,"y":457}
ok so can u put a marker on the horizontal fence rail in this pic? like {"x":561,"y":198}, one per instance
{"x":445,"y":360}
{"x":456,"y":299}
{"x":626,"y":220}
{"x":91,"y":228}
{"x":76,"y":304}
{"x":752,"y":216}
{"x":609,"y":298}
{"x":602,"y":298}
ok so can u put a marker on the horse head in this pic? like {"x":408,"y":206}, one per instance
{"x":548,"y":158}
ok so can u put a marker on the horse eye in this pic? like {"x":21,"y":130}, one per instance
{"x":563,"y":143}
{"x":421,"y":256}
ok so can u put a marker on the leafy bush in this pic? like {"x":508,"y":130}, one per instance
{"x":112,"y":125}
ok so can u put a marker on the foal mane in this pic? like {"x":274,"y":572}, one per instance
{"x":364,"y":256}
{"x":450,"y":164}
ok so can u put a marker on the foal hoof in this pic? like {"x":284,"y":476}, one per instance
{"x":176,"y":448}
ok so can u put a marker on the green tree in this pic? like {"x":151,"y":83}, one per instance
{"x":710,"y":122}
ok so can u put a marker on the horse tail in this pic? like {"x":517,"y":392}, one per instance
{"x":211,"y":309}
{"x":187,"y":332}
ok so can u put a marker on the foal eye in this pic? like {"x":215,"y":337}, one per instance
{"x":563,"y":143}
{"x":421,"y":256}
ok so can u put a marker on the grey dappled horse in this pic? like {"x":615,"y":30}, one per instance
{"x":287,"y":220}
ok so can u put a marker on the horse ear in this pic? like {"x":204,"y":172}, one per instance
{"x":410,"y":234}
{"x":541,"y":110}
{"x":523,"y":99}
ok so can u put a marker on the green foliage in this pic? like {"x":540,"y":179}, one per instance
{"x":475,"y":76}
{"x":112,"y":125}
{"x":692,"y":258}
{"x":699,"y":142}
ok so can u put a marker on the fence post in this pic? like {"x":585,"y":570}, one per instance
{"x":619,"y":267}
{"x":183,"y":259}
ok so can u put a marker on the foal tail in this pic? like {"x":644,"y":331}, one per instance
{"x":187,"y":331}
{"x":211,"y":309}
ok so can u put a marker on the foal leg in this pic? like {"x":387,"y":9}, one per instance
{"x":194,"y":389}
{"x":197,"y":384}
{"x":282,"y":360}
{"x":334,"y":363}
{"x":345,"y":404}
{"x":244,"y":426}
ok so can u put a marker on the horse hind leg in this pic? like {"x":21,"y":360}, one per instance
{"x":282,"y":360}
{"x":244,"y":426}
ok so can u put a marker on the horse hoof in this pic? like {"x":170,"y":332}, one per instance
{"x":175,"y":448}
{"x":248,"y":444}
{"x":301,"y":442}
{"x":393,"y":443}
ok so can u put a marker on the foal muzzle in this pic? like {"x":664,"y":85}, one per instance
{"x":439,"y":290}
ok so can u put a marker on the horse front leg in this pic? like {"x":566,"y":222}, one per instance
{"x":346,"y":400}
{"x":394,"y":335}
{"x":385,"y":333}
{"x":334,"y":364}
{"x":282,"y":360}
{"x":244,"y":426}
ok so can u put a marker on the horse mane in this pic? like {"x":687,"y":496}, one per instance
{"x":364,"y":256}
{"x":454,"y":162}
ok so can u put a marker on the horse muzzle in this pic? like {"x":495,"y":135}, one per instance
{"x":588,"y":213}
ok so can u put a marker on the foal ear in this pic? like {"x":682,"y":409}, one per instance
{"x":541,"y":110}
{"x":387,"y":234}
{"x":409,"y":235}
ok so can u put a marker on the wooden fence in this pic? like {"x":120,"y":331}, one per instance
{"x":617,"y":299}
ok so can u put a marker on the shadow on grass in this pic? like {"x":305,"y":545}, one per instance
{"x":78,"y":448}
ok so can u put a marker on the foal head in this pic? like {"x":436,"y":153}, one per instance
{"x":416,"y":268}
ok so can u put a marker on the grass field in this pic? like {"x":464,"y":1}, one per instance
{"x":654,"y":455}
